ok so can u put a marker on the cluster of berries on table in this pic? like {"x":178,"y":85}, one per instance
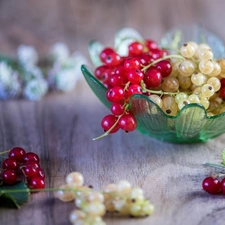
{"x":22,"y":165}
{"x":213,"y":185}
{"x":191,"y":75}
{"x":92,"y":205}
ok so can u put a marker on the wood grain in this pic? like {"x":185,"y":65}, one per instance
{"x":60,"y":128}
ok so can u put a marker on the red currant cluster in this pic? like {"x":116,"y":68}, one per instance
{"x":20,"y":165}
{"x":213,"y":185}
{"x":123,"y":77}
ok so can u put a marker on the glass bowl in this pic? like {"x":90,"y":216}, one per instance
{"x":190,"y":125}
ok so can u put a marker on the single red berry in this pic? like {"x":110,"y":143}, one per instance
{"x":41,"y":173}
{"x":30,"y":171}
{"x":211,"y":185}
{"x":156,"y":53}
{"x":222,"y":81}
{"x":9,"y":176}
{"x":105,"y":52}
{"x":36,"y":183}
{"x":10,"y":164}
{"x":151,"y":44}
{"x":164,"y":67}
{"x":223,"y":186}
{"x":128,"y":122}
{"x":99,"y":72}
{"x":222,"y":92}
{"x":133,"y":89}
{"x":113,"y":60}
{"x":108,"y":121}
{"x":30,"y":156}
{"x":116,"y":80}
{"x":145,"y":59}
{"x":131,"y":63}
{"x":135,"y":76}
{"x":115,"y":94}
{"x":135,"y":48}
{"x":153,"y":78}
{"x":17,"y":153}
{"x":117,"y":108}
{"x":33,"y":164}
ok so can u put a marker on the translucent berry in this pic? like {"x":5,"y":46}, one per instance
{"x":108,"y":121}
{"x":223,"y":186}
{"x":117,"y":109}
{"x":113,"y":60}
{"x":128,"y":122}
{"x":211,"y":185}
{"x":10,"y":164}
{"x":36,"y":183}
{"x":30,"y":171}
{"x":75,"y":179}
{"x":135,"y":48}
{"x":17,"y":153}
{"x":164,"y":67}
{"x":115,"y":94}
{"x":30,"y":156}
{"x":151,"y":44}
{"x":131,"y":63}
{"x":133,"y":89}
{"x":9,"y":176}
{"x":153,"y":78}
{"x":105,"y":53}
{"x":135,"y":76}
{"x":99,"y":72}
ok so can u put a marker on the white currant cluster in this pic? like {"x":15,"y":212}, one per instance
{"x":123,"y":199}
{"x":92,"y":205}
{"x":197,"y":78}
{"x":24,"y":76}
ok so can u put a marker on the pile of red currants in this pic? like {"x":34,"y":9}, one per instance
{"x":213,"y":185}
{"x":23,"y":166}
{"x":123,"y":75}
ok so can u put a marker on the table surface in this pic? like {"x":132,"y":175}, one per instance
{"x":60,"y":127}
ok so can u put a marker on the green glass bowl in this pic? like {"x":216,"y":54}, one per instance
{"x":190,"y":125}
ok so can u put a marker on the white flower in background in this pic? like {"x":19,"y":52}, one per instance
{"x":65,"y":80}
{"x":59,"y":52}
{"x":27,"y":55}
{"x":9,"y":84}
{"x":35,"y":89}
{"x":32,"y":72}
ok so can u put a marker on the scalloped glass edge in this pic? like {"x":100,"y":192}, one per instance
{"x":99,"y":89}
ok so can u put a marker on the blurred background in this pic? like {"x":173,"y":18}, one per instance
{"x":43,"y":22}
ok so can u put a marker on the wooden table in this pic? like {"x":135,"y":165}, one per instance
{"x":60,"y":128}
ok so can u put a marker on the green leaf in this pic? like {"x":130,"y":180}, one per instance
{"x":223,"y":157}
{"x":95,"y":48}
{"x":17,"y":194}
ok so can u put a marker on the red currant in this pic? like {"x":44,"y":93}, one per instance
{"x":153,"y":78}
{"x":117,"y":108}
{"x":10,"y":164}
{"x":131,"y":63}
{"x":99,"y":71}
{"x":116,"y":80}
{"x":36,"y":183}
{"x":128,"y":122}
{"x":108,"y":121}
{"x":135,"y":48}
{"x":135,"y":76}
{"x":222,"y":92}
{"x":156,"y":53}
{"x":115,"y":94}
{"x":151,"y":44}
{"x":17,"y":153}
{"x":9,"y":176}
{"x":211,"y":185}
{"x":164,"y":67}
{"x":133,"y":89}
{"x":223,"y":186}
{"x":145,"y":59}
{"x":30,"y":171}
{"x":33,"y":164}
{"x":41,"y":173}
{"x":105,"y":53}
{"x":222,"y":81}
{"x":113,"y":60}
{"x":30,"y":156}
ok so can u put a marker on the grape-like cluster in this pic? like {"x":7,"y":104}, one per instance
{"x":92,"y":205}
{"x":22,"y":165}
{"x":192,"y":75}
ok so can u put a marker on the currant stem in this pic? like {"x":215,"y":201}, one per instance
{"x":157,"y":92}
{"x":108,"y":131}
{"x":4,"y":152}
{"x":161,"y":59}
